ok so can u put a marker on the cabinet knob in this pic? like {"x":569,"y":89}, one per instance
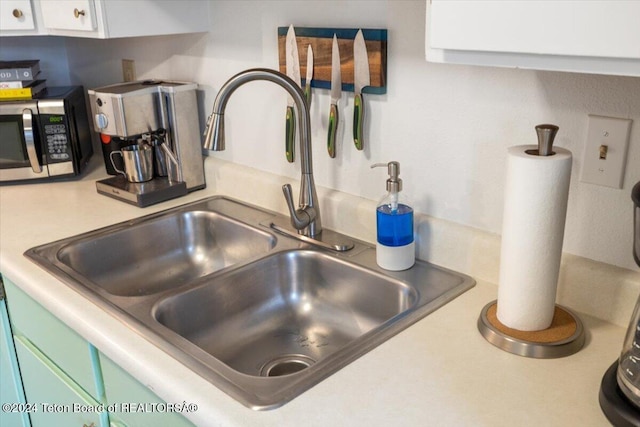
{"x":17,"y":13}
{"x":77,"y":13}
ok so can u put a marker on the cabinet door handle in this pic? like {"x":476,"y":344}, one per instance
{"x":90,"y":425}
{"x":77,"y":13}
{"x":17,"y":13}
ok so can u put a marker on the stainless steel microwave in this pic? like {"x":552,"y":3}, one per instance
{"x":44,"y":138}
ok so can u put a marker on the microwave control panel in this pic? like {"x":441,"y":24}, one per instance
{"x":54,"y":134}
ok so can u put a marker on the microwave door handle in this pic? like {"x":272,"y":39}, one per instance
{"x":27,"y":123}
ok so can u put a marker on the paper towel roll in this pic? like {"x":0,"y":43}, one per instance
{"x":535,"y":208}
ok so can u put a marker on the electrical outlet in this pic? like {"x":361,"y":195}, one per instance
{"x":605,"y":154}
{"x":128,"y":70}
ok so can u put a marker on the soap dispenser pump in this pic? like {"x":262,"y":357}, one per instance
{"x":395,"y":246}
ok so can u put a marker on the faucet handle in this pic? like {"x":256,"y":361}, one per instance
{"x":302,"y":217}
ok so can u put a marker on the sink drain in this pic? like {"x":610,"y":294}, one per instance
{"x":286,"y":365}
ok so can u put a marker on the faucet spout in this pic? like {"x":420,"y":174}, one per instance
{"x":214,"y":141}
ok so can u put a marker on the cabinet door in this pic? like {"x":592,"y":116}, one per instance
{"x":120,"y":387}
{"x":72,"y":353}
{"x":11,"y":390}
{"x":60,"y":401}
{"x":586,"y":36}
{"x":77,"y":15}
{"x":577,"y":28}
{"x":16,"y":15}
{"x":124,"y":18}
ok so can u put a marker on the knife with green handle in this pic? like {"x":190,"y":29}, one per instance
{"x":290,"y":133}
{"x":336,"y":93}
{"x":358,"y":120}
{"x":307,"y":94}
{"x":293,"y":71}
{"x":361,"y":80}
{"x":333,"y":127}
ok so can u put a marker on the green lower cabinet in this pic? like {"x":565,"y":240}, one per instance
{"x":65,"y":376}
{"x":135,"y":405}
{"x":71,"y":352}
{"x":11,"y":391}
{"x":59,"y":400}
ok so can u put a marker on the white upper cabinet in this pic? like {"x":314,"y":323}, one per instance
{"x":591,"y":36}
{"x":17,"y":17}
{"x":112,"y":18}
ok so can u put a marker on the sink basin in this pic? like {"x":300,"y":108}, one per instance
{"x":284,"y":312}
{"x":261,"y":315}
{"x":163,"y":253}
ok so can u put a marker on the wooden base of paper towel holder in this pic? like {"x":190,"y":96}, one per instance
{"x":564,"y":337}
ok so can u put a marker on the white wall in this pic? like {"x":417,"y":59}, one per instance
{"x":449,"y":126}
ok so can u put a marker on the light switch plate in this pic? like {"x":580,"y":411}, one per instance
{"x":605,"y":154}
{"x":128,"y":70}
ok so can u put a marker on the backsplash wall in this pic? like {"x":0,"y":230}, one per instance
{"x":51,"y":51}
{"x":449,"y":126}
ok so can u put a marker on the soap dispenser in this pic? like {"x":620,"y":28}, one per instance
{"x":395,"y":247}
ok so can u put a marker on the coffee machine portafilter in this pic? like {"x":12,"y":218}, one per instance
{"x":162,"y":115}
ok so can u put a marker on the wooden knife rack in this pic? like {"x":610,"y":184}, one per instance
{"x":321,"y":41}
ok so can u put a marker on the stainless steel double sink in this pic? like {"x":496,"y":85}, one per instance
{"x":261,"y":315}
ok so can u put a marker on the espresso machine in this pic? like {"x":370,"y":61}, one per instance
{"x":151,"y":140}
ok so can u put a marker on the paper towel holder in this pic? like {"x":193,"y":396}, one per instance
{"x":563,"y":338}
{"x":564,"y":335}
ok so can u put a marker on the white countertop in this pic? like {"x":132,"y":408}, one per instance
{"x":440,"y":371}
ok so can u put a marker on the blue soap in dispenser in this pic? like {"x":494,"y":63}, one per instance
{"x":395,"y":246}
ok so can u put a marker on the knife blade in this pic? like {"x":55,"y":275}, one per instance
{"x":307,"y":82}
{"x":336,"y":93}
{"x":293,"y":71}
{"x":361,"y":80}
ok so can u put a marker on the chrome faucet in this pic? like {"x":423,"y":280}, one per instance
{"x":306,"y":218}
